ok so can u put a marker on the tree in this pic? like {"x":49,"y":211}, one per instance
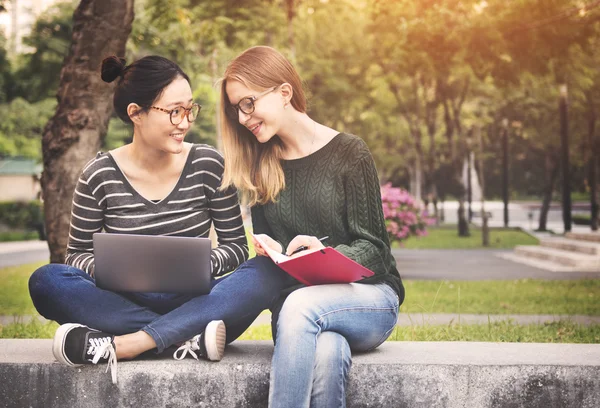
{"x":202,"y":36}
{"x":37,"y":73}
{"x":74,"y":134}
{"x":5,"y":70}
{"x":550,"y":38}
{"x":593,"y":147}
{"x":423,"y":49}
{"x":21,"y":126}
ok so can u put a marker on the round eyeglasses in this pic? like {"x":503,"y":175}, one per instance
{"x":245,"y":105}
{"x":176,"y":114}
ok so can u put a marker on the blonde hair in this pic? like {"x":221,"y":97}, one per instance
{"x":254,"y":168}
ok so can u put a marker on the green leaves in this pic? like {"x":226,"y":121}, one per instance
{"x":410,"y":77}
{"x":37,"y":72}
{"x":22,"y":125}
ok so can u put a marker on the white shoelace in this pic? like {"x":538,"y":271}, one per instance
{"x":103,"y":348}
{"x":189,"y":346}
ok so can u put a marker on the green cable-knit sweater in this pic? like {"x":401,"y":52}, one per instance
{"x":334,"y":192}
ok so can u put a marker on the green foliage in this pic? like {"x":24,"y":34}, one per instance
{"x":413,"y":78}
{"x":19,"y":214}
{"x":29,"y":82}
{"x":5,"y":70}
{"x":22,"y":125}
{"x":117,"y":135}
{"x":38,"y":72}
{"x":19,"y":235}
{"x":582,"y":219}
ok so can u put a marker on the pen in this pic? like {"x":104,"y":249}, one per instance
{"x":304,"y":247}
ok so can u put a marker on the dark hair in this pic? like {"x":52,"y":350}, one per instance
{"x":142,"y":82}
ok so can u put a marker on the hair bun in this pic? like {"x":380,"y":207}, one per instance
{"x":112,"y":67}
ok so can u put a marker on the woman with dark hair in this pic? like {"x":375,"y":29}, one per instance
{"x":156,"y":185}
{"x":305,"y":180}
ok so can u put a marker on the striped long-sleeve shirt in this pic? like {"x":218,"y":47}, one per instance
{"x":105,"y":200}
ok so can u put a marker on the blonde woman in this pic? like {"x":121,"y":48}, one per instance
{"x":304,"y":180}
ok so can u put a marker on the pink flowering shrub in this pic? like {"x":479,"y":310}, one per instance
{"x":404,"y":217}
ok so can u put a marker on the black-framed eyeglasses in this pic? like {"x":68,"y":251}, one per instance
{"x":177,"y":113}
{"x":246,"y":105}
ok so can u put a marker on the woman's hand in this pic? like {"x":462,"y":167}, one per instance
{"x":267,"y":240}
{"x":307,"y":242}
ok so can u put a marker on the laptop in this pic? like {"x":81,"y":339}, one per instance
{"x":152,"y":263}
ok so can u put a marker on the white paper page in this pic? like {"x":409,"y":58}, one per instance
{"x":274,"y":255}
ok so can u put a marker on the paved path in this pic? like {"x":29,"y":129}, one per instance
{"x":471,"y":264}
{"x":430,"y":264}
{"x":23,"y":252}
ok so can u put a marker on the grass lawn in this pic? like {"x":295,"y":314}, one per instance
{"x":14,"y":293}
{"x":446,"y":237}
{"x":31,"y":330}
{"x":505,"y":331}
{"x":524,"y":296}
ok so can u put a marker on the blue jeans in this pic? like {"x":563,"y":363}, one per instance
{"x":69,"y":295}
{"x":317,"y":328}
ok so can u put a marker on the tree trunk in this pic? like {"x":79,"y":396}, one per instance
{"x":431,"y":117}
{"x":434,"y":200}
{"x":469,"y":185}
{"x":418,"y":177}
{"x":593,"y":164}
{"x":453,"y":104}
{"x":505,"y":169}
{"x":552,"y":174}
{"x":463,"y":225}
{"x":291,"y":13}
{"x":75,"y":132}
{"x":565,"y":161}
{"x":485,"y":231}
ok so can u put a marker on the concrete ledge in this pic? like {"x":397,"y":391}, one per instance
{"x":398,"y":374}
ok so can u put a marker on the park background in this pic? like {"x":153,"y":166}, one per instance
{"x":459,"y":101}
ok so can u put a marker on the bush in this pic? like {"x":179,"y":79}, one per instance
{"x":21,"y":215}
{"x":404,"y":217}
{"x":581,"y":219}
{"x":9,"y":236}
{"x":22,"y":125}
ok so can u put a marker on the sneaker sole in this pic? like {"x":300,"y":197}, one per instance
{"x":216,"y":332}
{"x":58,"y":345}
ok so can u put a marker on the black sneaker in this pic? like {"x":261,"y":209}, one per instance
{"x":210,"y":344}
{"x":76,"y":344}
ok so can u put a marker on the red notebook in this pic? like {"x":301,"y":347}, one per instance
{"x":319,"y":266}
